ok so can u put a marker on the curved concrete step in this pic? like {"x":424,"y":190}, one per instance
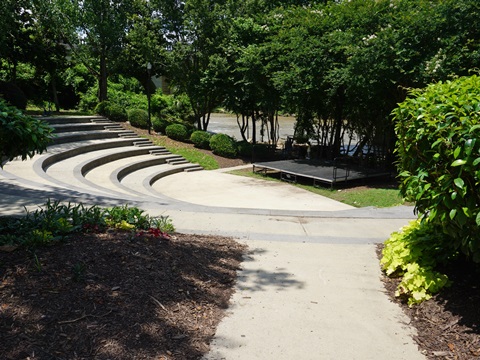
{"x":96,"y":156}
{"x":72,"y":171}
{"x":91,"y":126}
{"x":141,"y":180}
{"x":70,"y":137}
{"x":73,"y":119}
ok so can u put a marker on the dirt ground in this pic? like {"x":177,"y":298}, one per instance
{"x":448,"y":325}
{"x":116,"y":296}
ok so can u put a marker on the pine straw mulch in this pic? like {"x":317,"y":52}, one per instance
{"x":116,"y":296}
{"x":448,"y":325}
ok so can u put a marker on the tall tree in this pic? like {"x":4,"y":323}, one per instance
{"x":198,"y":60}
{"x":95,"y":31}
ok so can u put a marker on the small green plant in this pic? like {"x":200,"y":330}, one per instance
{"x":223,"y":145}
{"x":78,"y":271}
{"x":38,"y":237}
{"x":413,"y":253}
{"x":36,"y":263}
{"x":177,"y":132}
{"x":163,"y":223}
{"x":201,"y":139}
{"x":127,"y":218}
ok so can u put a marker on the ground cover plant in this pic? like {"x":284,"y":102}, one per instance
{"x":116,"y":284}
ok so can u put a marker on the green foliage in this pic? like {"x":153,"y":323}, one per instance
{"x":122,"y":92}
{"x":163,"y":223}
{"x":161,"y":104}
{"x":112,"y":111}
{"x":177,"y":132}
{"x":438,"y":131}
{"x":21,"y":135}
{"x":413,"y":253}
{"x":138,"y":118}
{"x":116,"y":112}
{"x":102,"y":108}
{"x":201,"y":139}
{"x":245,"y":148}
{"x":223,"y":145}
{"x":127,"y":218}
{"x":52,"y":222}
{"x":56,"y":221}
{"x":160,"y":124}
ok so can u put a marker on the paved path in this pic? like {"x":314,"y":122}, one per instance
{"x":310,"y":286}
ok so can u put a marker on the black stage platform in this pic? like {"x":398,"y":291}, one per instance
{"x":327,"y":173}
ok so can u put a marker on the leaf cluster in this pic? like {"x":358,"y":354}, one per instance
{"x":438,"y":146}
{"x":21,"y":135}
{"x":413,"y":253}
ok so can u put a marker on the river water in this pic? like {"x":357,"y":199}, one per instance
{"x":227,"y":124}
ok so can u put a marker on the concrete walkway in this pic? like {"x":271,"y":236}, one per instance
{"x":310,"y":286}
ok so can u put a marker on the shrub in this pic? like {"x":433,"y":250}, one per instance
{"x":160,"y":124}
{"x":201,"y":139}
{"x":438,"y":131}
{"x":177,"y":132}
{"x":223,"y":145}
{"x":116,"y":113}
{"x":247,"y":149}
{"x":102,"y":108}
{"x":138,"y":118}
{"x":244,"y":148}
{"x":112,"y":111}
{"x":160,"y":103}
{"x":21,"y":135}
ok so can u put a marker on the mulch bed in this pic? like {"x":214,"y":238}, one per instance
{"x":116,"y":296}
{"x":448,"y":325}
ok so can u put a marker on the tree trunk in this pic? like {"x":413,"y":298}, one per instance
{"x":102,"y":81}
{"x":54,"y":93}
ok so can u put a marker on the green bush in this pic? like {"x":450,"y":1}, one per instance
{"x":116,"y":113}
{"x":201,"y":139}
{"x":138,"y":118}
{"x":223,"y":145}
{"x":102,"y":108}
{"x":160,"y":124}
{"x":244,"y":148}
{"x":177,"y":132}
{"x":112,"y":111}
{"x":438,"y":131}
{"x":21,"y":135}
{"x":160,"y":104}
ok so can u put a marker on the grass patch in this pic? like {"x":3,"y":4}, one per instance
{"x":361,"y":196}
{"x":192,"y":155}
